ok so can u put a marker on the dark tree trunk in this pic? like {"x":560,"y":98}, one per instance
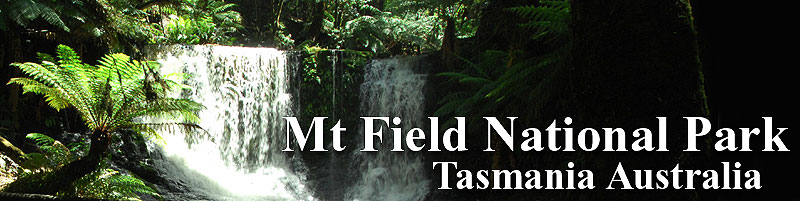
{"x":635,"y":61}
{"x":14,"y":48}
{"x":53,"y":182}
{"x":315,"y":29}
{"x":448,"y":46}
{"x":379,"y":4}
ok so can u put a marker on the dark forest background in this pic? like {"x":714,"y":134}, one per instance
{"x":747,"y":73}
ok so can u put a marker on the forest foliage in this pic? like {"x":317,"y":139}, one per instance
{"x":120,"y":93}
{"x":505,"y":80}
{"x":122,"y":24}
{"x":378,"y":26}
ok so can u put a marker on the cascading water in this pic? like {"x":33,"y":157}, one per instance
{"x":392,"y":88}
{"x":245,"y":92}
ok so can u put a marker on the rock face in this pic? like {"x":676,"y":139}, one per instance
{"x":11,"y":151}
{"x":8,"y":170}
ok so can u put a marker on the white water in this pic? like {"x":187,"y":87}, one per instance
{"x":392,"y":88}
{"x":245,"y":93}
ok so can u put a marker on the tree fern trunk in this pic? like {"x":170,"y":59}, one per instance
{"x":54,"y":181}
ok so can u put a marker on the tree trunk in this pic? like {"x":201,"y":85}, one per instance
{"x":315,"y":29}
{"x":53,"y":181}
{"x":639,"y":58}
{"x":635,"y":61}
{"x":14,"y":42}
{"x":448,"y":45}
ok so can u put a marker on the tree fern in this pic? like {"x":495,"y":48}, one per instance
{"x":22,"y":12}
{"x":118,"y":93}
{"x":103,"y":183}
{"x":109,"y":96}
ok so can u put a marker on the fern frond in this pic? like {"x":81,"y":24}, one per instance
{"x":24,"y":11}
{"x":108,"y":184}
{"x":54,"y":154}
{"x":454,"y":75}
{"x":36,"y":160}
{"x":548,"y":20}
{"x":113,"y":95}
{"x":45,"y":57}
{"x":172,"y":108}
{"x":50,"y":15}
{"x":67,"y":56}
{"x":475,"y":81}
{"x":55,"y":98}
{"x":449,"y":108}
{"x":40,"y":139}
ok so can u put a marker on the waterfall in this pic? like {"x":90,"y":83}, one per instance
{"x":245,"y":92}
{"x":392,"y":87}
